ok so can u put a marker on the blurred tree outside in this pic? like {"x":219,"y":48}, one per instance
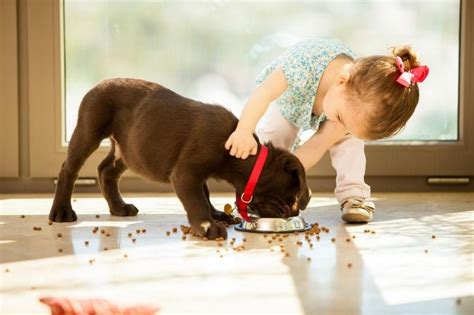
{"x":212,"y":51}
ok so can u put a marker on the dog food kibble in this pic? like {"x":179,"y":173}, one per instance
{"x":185,"y":229}
{"x":265,"y":235}
{"x":86,"y":243}
{"x":22,"y":216}
{"x":36,"y":228}
{"x":311,"y":245}
{"x":373,"y":232}
{"x":175,"y":230}
{"x":183,"y":237}
{"x":219,"y":244}
{"x":269,"y":241}
{"x":50,"y":223}
{"x":287,"y":254}
{"x":60,"y":250}
{"x":274,"y":237}
{"x":426,"y":251}
{"x":333,"y":239}
{"x":7,"y":270}
{"x":102,"y":231}
{"x":227,"y":209}
{"x":299,"y":243}
{"x":318,"y":238}
{"x":125,"y":256}
{"x":105,"y":248}
{"x":348,"y":239}
{"x":168,"y":233}
{"x":309,"y":258}
{"x":138,"y":231}
{"x":134,"y":240}
{"x":353,"y":236}
{"x":143,"y":230}
{"x":349,"y":265}
{"x":244,"y":240}
{"x":97,"y":216}
{"x":108,"y":234}
{"x":433,"y":236}
{"x":280,"y":239}
{"x":130,"y":234}
{"x":458,"y":301}
{"x":231,"y":242}
{"x":91,"y":261}
{"x":59,"y":235}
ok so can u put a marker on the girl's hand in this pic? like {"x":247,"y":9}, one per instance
{"x":241,"y":144}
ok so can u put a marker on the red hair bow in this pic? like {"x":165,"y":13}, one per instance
{"x":413,"y":76}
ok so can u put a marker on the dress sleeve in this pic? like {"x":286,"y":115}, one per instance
{"x":296,"y":65}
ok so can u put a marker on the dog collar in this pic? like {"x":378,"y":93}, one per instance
{"x":242,"y":202}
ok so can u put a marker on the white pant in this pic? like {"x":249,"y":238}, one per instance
{"x":347,"y":155}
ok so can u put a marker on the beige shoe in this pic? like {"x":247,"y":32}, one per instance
{"x":355,"y":210}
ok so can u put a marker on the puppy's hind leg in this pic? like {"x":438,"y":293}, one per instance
{"x":80,"y":148}
{"x":110,"y":170}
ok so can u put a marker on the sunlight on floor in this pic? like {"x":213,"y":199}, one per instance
{"x":440,"y":245}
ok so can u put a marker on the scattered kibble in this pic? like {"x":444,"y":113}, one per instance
{"x":426,"y":251}
{"x":353,"y":236}
{"x":265,"y":235}
{"x":244,"y":240}
{"x":433,"y":236}
{"x":60,"y":250}
{"x":130,"y":234}
{"x":168,"y":233}
{"x":287,"y":254}
{"x":22,"y":216}
{"x":102,"y":231}
{"x":318,"y":238}
{"x":59,"y":235}
{"x":299,"y":243}
{"x":105,"y":248}
{"x":138,"y":231}
{"x":333,"y":239}
{"x":86,"y":243}
{"x":134,"y":240}
{"x":97,"y":216}
{"x":183,"y":237}
{"x":349,"y":265}
{"x":7,"y":270}
{"x":373,"y":232}
{"x":50,"y":223}
{"x":125,"y":256}
{"x":175,"y":230}
{"x":458,"y":301}
{"x":228,"y":209}
{"x":348,"y":239}
{"x":309,"y":258}
{"x":91,"y":261}
{"x":143,"y":230}
{"x":36,"y":228}
{"x":269,"y":241}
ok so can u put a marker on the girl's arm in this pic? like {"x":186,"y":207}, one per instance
{"x":314,"y":148}
{"x":241,"y":142}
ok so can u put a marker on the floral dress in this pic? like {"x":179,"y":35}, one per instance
{"x":303,"y":65}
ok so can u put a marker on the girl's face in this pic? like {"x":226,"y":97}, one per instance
{"x":339,"y":108}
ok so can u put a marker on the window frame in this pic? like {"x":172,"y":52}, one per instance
{"x":45,"y":91}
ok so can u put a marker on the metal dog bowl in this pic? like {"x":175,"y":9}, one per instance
{"x":274,"y":225}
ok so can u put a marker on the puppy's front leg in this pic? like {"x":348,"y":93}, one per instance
{"x":190,"y":192}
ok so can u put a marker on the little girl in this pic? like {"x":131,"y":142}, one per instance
{"x":319,"y":84}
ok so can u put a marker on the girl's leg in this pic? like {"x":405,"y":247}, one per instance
{"x":348,"y":159}
{"x":276,"y":128}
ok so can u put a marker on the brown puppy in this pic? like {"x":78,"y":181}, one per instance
{"x":169,"y":138}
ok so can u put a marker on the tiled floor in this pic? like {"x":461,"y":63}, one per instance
{"x":399,"y":269}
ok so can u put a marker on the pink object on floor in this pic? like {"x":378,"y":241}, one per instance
{"x":65,"y":306}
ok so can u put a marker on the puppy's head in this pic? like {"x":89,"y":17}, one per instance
{"x":281,"y":191}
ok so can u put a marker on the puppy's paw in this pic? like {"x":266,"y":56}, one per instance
{"x":210,"y":229}
{"x":62,"y":214}
{"x":125,"y":210}
{"x":224,"y":217}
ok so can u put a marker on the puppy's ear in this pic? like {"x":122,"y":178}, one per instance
{"x":296,"y":169}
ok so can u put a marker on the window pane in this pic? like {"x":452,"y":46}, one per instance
{"x":213,"y":50}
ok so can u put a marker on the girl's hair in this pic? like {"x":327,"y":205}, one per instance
{"x":373,"y":80}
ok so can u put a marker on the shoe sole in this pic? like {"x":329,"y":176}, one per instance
{"x":355,"y":218}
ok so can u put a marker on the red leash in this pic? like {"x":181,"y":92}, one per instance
{"x":243,"y":201}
